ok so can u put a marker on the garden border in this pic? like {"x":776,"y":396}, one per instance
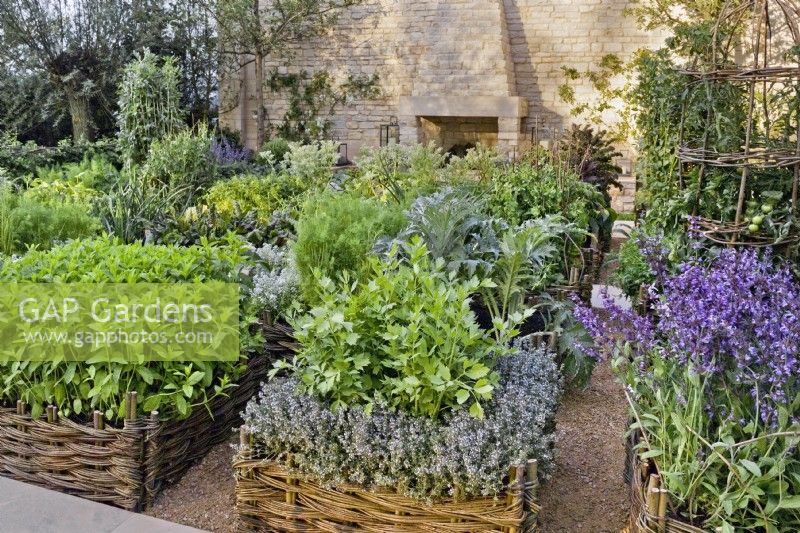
{"x":271,"y":497}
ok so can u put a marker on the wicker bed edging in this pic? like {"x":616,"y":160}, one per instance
{"x":649,"y":500}
{"x":269,"y":497}
{"x":126,"y":466}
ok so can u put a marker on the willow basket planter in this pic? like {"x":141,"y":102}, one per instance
{"x":269,"y":497}
{"x":126,"y":466}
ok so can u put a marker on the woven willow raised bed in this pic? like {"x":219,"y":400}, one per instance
{"x":649,"y":500}
{"x":271,"y":498}
{"x":124,"y":466}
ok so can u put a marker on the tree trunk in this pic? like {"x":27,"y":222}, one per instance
{"x":82,"y":129}
{"x":260,"y":118}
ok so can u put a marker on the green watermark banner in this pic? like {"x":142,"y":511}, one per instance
{"x":119,"y":322}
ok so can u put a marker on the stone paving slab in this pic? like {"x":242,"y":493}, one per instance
{"x":29,"y":509}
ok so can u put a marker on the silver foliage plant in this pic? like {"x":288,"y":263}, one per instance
{"x":420,"y":457}
{"x":276,"y":281}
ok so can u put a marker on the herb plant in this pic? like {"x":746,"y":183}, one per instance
{"x":421,"y":457}
{"x":336,"y":232}
{"x":403,"y":337}
{"x":172,"y":388}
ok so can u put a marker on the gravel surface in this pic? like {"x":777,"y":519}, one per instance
{"x":587,"y":492}
{"x":204,"y":497}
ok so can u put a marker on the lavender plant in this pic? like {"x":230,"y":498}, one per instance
{"x":226,"y":152}
{"x":421,"y":457}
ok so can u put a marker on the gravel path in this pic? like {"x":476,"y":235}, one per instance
{"x":587,"y":492}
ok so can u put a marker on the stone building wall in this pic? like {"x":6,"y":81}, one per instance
{"x":457,"y":67}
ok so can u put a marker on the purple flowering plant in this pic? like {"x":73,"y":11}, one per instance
{"x":712,"y":373}
{"x":226,"y":152}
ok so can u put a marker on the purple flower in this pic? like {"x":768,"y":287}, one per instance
{"x":734,"y":317}
{"x":226,"y":153}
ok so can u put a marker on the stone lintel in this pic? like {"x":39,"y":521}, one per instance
{"x":464,"y":106}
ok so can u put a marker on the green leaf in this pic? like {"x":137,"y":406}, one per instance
{"x":790,"y":502}
{"x":181,"y":405}
{"x":649,"y":454}
{"x":476,"y":410}
{"x":462,"y":396}
{"x":146,"y":374}
{"x":751,"y":467}
{"x":478,"y":371}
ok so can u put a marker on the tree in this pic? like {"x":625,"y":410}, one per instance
{"x":72,"y":42}
{"x":256,"y":30}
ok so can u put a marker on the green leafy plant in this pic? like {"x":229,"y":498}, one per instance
{"x":7,"y":204}
{"x":172,"y":388}
{"x":591,"y":154}
{"x":39,"y":226}
{"x":336,"y":232}
{"x":311,"y":164}
{"x":404,"y":337}
{"x":243,"y":194}
{"x":274,"y":149}
{"x":536,"y":188}
{"x":398,"y":171}
{"x":451,"y":224}
{"x":528,"y":261}
{"x":149,"y":104}
{"x":183,"y":162}
{"x":131,"y":208}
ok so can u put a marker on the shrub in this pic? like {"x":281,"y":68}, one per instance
{"x":336,"y":232}
{"x":25,"y":159}
{"x":534,"y":190}
{"x":397,"y":171}
{"x":173,"y":388}
{"x":243,"y":194}
{"x":311,"y":164}
{"x":275,"y":150}
{"x":404,"y":337}
{"x":149,"y":104}
{"x":95,"y":172}
{"x":421,"y":457}
{"x":182,"y":162}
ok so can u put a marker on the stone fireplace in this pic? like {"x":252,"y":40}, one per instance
{"x":464,"y":120}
